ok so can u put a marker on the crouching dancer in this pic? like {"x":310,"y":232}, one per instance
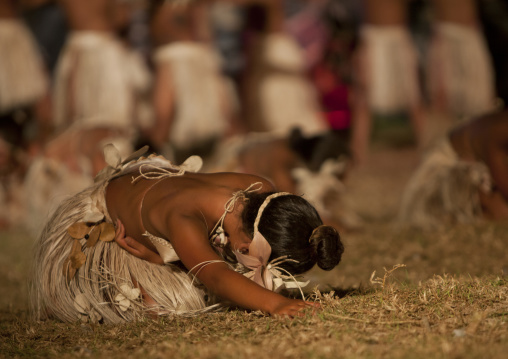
{"x":463,"y":178}
{"x":150,"y":237}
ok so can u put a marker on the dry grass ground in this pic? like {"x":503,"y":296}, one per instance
{"x":449,"y":301}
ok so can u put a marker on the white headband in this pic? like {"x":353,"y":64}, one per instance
{"x":263,"y":206}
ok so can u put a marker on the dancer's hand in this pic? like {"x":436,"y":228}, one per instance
{"x":293,"y":308}
{"x":134,"y":247}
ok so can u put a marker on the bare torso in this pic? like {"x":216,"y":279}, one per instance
{"x":456,"y":11}
{"x":148,"y":205}
{"x":187,"y":22}
{"x":386,"y":12}
{"x":89,"y":14}
{"x":274,"y":160}
{"x":8,"y":9}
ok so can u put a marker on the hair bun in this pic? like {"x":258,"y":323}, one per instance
{"x":327,"y":246}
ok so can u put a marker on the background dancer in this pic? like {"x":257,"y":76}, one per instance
{"x":464,"y":177}
{"x":99,"y":89}
{"x":25,"y":107}
{"x":192,"y":100}
{"x":459,"y":72}
{"x":387,"y":73}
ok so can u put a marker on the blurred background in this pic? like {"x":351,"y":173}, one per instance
{"x":293,"y":90}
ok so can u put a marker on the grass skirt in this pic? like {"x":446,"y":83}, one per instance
{"x":444,"y":190}
{"x":199,"y":91}
{"x":460,"y":75}
{"x":22,"y":78}
{"x":390,"y":68}
{"x":105,"y":287}
{"x":103,"y":79}
{"x":281,"y":97}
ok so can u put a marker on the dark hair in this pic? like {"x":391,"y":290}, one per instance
{"x":293,"y":228}
{"x":314,"y":150}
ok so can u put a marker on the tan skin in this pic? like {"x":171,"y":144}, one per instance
{"x":90,"y":14}
{"x":486,"y":139}
{"x":106,"y":16}
{"x":385,"y":12}
{"x":8,"y":9}
{"x":183,"y":210}
{"x":273,"y":160}
{"x":462,"y":12}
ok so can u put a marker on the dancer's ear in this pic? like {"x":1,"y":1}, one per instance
{"x":134,"y":247}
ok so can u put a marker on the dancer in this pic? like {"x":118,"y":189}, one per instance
{"x":99,"y":89}
{"x":25,"y":111}
{"x":387,"y":72}
{"x":24,"y":87}
{"x":462,"y":178}
{"x":460,"y":75}
{"x":67,"y":165}
{"x":99,"y":80}
{"x":276,"y":94}
{"x":192,"y":100}
{"x":206,"y":228}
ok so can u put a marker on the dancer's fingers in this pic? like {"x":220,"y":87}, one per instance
{"x":312,"y":304}
{"x":137,"y":249}
{"x":120,"y":230}
{"x":134,"y":247}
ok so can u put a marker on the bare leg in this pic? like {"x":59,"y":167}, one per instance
{"x":361,"y":130}
{"x":418,"y":121}
{"x":361,"y":114}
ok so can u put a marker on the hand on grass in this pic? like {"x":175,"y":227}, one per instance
{"x":134,"y":247}
{"x":293,"y":308}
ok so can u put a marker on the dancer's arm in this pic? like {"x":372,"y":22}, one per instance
{"x":496,"y":160}
{"x":134,"y":247}
{"x":494,"y":205}
{"x":193,"y":249}
{"x":496,"y":153}
{"x":189,"y":239}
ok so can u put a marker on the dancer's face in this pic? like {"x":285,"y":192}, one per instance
{"x":238,"y":238}
{"x":240,"y":241}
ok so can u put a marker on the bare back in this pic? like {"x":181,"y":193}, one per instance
{"x":385,"y":12}
{"x":8,"y":9}
{"x":457,"y":11}
{"x":146,"y":204}
{"x":89,"y":14}
{"x":189,"y":22}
